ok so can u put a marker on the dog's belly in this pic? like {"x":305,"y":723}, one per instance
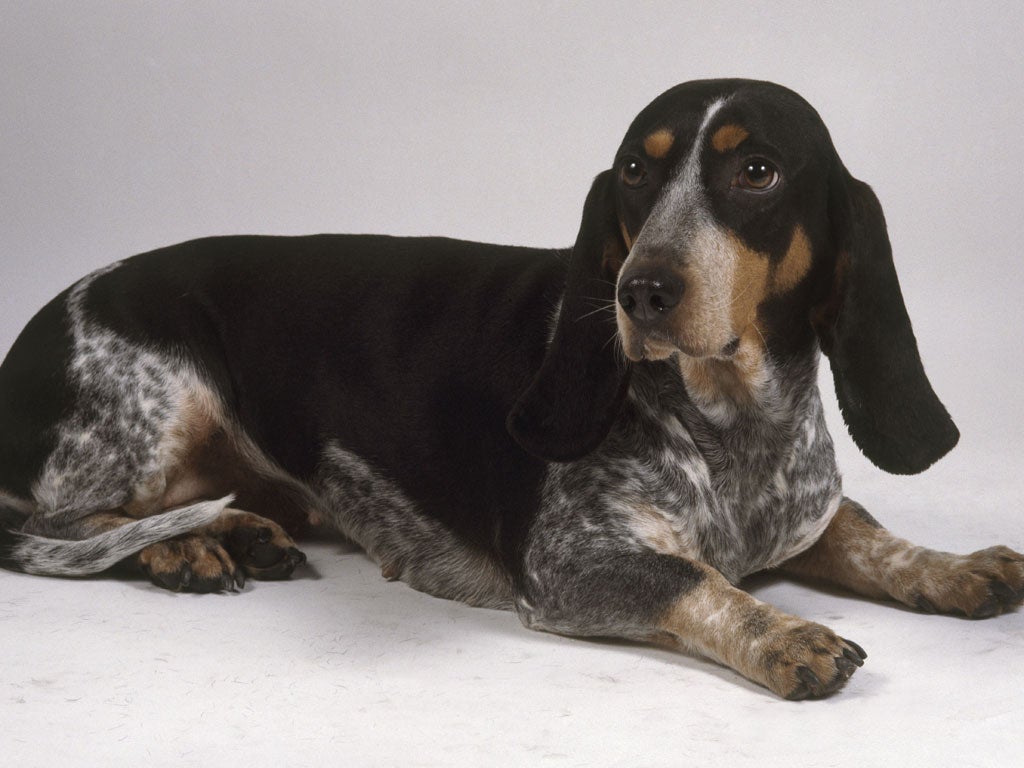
{"x":372,"y":511}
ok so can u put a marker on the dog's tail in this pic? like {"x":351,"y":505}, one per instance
{"x":62,"y":557}
{"x":13,"y":513}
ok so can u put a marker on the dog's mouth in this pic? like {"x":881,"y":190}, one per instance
{"x":655,"y":345}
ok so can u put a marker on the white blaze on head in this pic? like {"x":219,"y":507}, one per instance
{"x":681,"y":233}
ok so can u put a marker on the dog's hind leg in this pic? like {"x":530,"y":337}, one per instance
{"x":223,"y":547}
{"x":111,"y":451}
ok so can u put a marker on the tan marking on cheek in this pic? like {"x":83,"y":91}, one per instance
{"x":728,"y":137}
{"x":794,"y":265}
{"x":749,"y":286}
{"x":625,"y":235}
{"x":658,"y":144}
{"x":612,"y":260}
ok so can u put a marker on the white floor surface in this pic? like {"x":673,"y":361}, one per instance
{"x":340,"y":667}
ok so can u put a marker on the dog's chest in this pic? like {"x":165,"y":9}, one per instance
{"x":741,"y":497}
{"x":768,"y":493}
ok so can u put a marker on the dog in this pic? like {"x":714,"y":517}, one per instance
{"x":605,"y":439}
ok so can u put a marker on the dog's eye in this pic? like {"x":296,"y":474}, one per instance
{"x":757,"y":174}
{"x":633,"y":172}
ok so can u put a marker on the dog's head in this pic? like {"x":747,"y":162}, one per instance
{"x":729,"y":223}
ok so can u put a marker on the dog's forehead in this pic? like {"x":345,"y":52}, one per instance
{"x":741,"y":108}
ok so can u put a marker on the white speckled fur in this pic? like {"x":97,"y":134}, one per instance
{"x":112,"y":450}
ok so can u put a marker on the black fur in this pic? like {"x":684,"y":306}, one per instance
{"x":887,"y":401}
{"x":573,"y":400}
{"x":361,"y":340}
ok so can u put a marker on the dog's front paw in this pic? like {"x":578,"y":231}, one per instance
{"x":980,"y":585}
{"x":808,"y":661}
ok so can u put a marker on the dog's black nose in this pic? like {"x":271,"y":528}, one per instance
{"x":649,"y":295}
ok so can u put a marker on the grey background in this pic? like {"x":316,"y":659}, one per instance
{"x":125,"y":126}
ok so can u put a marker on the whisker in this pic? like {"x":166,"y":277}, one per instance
{"x":738,"y":296}
{"x":729,"y":303}
{"x":763,"y":340}
{"x":612,"y":338}
{"x":607,"y":308}
{"x":598,"y":299}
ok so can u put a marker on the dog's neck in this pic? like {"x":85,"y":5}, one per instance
{"x":752,"y":384}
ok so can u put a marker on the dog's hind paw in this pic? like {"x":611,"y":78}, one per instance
{"x":190,"y":563}
{"x":219,"y":556}
{"x":261,"y":547}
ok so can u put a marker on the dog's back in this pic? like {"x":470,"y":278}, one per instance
{"x":259,"y":355}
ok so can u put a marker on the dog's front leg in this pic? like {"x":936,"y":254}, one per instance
{"x":643,"y":595}
{"x":856,"y":552}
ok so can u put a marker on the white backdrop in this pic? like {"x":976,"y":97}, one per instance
{"x":125,"y":126}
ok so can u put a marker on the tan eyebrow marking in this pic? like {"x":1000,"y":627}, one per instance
{"x":728,"y":137}
{"x":659,"y":143}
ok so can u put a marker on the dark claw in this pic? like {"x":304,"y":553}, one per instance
{"x":1002,"y":592}
{"x":856,"y":648}
{"x":846,"y":666}
{"x":925,"y":605}
{"x":799,"y":693}
{"x":171,"y":581}
{"x":206,"y":586}
{"x":281,"y":566}
{"x":986,"y":610}
{"x":853,"y":657}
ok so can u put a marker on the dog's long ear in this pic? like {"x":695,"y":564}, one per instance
{"x":888,"y":404}
{"x":571,"y":403}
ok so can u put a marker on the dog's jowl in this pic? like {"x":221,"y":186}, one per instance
{"x":605,"y":439}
